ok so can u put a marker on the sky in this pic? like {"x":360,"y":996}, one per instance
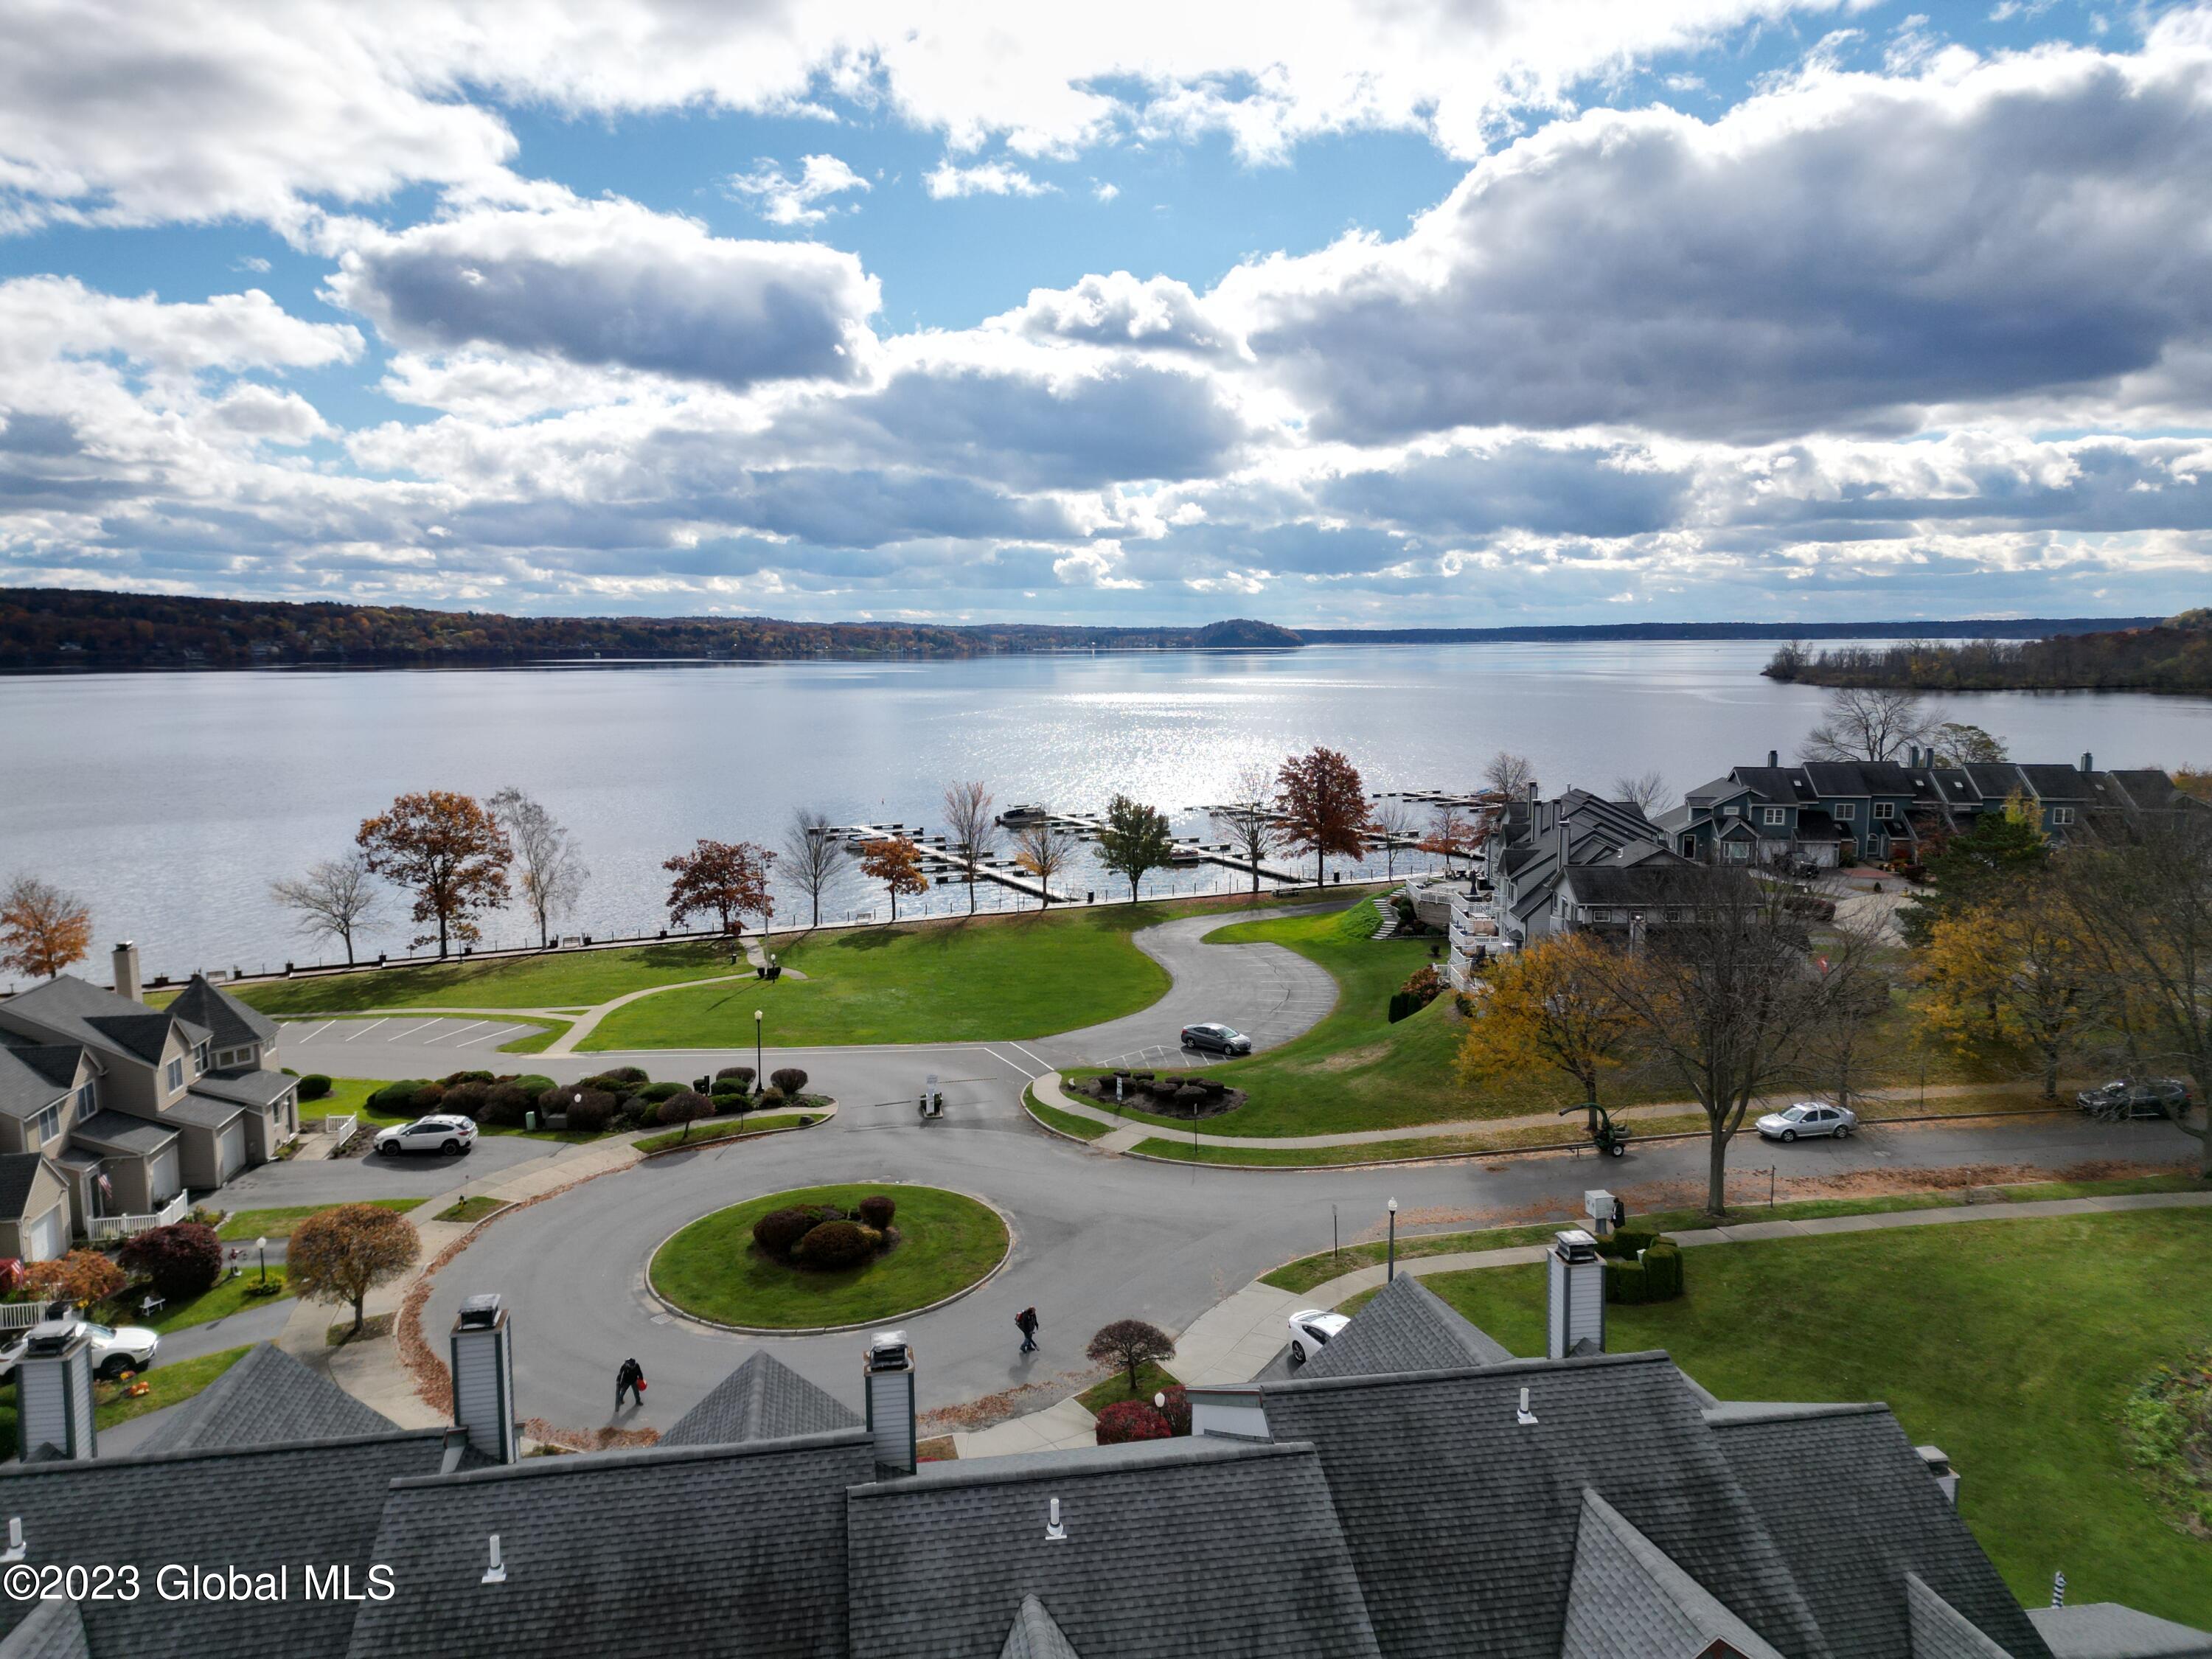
{"x":1413,"y":313}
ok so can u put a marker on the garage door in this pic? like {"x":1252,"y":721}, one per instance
{"x":232,"y":1145}
{"x":43,"y":1240}
{"x":166,"y":1182}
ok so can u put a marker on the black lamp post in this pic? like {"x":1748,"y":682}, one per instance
{"x":1394,"y":1239}
{"x":759,"y":1080}
{"x":262,"y":1245}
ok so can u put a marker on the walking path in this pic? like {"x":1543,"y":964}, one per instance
{"x":1128,"y":1135}
{"x":1238,"y":1338}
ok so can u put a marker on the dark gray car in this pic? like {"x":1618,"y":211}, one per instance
{"x":2149,"y":1097}
{"x":1221,"y":1038}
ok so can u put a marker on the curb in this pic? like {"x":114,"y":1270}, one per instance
{"x":827,"y":1113}
{"x":689,"y":1318}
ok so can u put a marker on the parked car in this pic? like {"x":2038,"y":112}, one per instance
{"x":1226,"y":1039}
{"x":430,"y":1134}
{"x":2147,"y":1097}
{"x":1311,"y":1329}
{"x":115,"y":1348}
{"x":1808,"y":1118}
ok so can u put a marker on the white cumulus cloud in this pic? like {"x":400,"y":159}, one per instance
{"x":783,"y":200}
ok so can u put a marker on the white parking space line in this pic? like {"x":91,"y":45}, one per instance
{"x":1026,"y":1055}
{"x":1014,"y":1065}
{"x":424,"y":1026}
{"x":367,"y":1029}
{"x":309,"y":1037}
{"x":442,"y":1036}
{"x":496,"y":1031}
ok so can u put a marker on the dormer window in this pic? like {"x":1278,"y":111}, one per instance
{"x":200,"y":1060}
{"x":176,"y":1075}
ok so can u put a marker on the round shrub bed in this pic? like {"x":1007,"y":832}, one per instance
{"x":718,"y":1269}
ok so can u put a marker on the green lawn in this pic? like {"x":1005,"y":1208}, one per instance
{"x":709,"y":1131}
{"x":472,"y":1210}
{"x":564,"y":979}
{"x":244,"y":1226}
{"x":1066,"y":1123}
{"x":228,"y":1297}
{"x":167,"y":1385}
{"x":1151,"y":1380}
{"x":989,"y":977}
{"x":2012,"y":1344}
{"x":711,"y":1268}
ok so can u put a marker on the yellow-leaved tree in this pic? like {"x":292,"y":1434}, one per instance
{"x":1549,"y":1007}
{"x":2011,"y":979}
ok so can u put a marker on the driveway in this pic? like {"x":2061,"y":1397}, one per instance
{"x":345,"y":1180}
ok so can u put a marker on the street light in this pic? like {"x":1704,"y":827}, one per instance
{"x":262,"y":1245}
{"x":759,"y":1081}
{"x":1394,"y":1239}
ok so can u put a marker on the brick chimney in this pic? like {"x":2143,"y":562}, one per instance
{"x":127,"y":983}
{"x":482,"y":1352}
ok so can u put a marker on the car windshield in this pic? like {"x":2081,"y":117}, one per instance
{"x":103,"y":1332}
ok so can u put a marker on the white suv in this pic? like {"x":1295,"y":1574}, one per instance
{"x":115,"y":1348}
{"x":430,"y":1134}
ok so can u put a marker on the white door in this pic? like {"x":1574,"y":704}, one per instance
{"x":166,"y":1182}
{"x":43,"y":1240}
{"x":230,"y":1147}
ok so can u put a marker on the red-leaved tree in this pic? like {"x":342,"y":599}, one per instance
{"x":446,"y":850}
{"x":727,"y":879}
{"x":897,"y":863}
{"x":1321,"y":806}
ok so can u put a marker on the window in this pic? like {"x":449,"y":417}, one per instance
{"x":199,"y":1059}
{"x":228,"y":1057}
{"x":47,"y":1125}
{"x":1736,"y":851}
{"x":176,"y":1075}
{"x":2061,"y":816}
{"x":1883,"y":809}
{"x":1775,"y":816}
{"x":88,"y":1101}
{"x":1733,"y":808}
{"x":1844,"y":810}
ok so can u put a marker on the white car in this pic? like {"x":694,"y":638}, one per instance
{"x":1311,"y":1329}
{"x":1808,"y":1118}
{"x":430,"y":1134}
{"x":115,"y":1348}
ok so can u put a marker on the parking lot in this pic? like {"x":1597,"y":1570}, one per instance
{"x":453,"y":1032}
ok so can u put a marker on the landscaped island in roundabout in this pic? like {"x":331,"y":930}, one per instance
{"x":824,"y":1256}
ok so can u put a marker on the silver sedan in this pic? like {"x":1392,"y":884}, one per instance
{"x":1808,"y":1118}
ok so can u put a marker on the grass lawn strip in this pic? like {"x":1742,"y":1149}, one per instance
{"x":1308,"y":1271}
{"x":227,"y":1298}
{"x":554,"y":980}
{"x":969,"y":979}
{"x":722,"y":1128}
{"x":1151,"y":1380}
{"x":1067,"y":1123}
{"x":2014,"y":1346}
{"x":244,"y":1226}
{"x":470,"y":1211}
{"x":711,"y":1270}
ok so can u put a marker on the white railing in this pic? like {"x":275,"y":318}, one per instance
{"x":341,"y":1126}
{"x":20,"y":1315}
{"x":123,"y":1226}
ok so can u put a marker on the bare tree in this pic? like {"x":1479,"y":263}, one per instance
{"x":1509,"y":774}
{"x":814,"y":856}
{"x":1044,"y":849}
{"x":1248,"y":819}
{"x":1729,"y":1000}
{"x":1393,"y":820}
{"x":1646,"y":792}
{"x":547,"y":867}
{"x":335,"y":899}
{"x":974,"y":831}
{"x":1869,"y":723}
{"x":1451,"y":834}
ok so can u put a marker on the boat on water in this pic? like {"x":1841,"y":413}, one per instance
{"x":1021,"y":816}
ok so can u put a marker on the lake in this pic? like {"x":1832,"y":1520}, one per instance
{"x":170,"y":801}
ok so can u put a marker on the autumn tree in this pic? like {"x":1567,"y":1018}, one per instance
{"x":726,"y":880}
{"x":1957,"y":743}
{"x":341,"y":1255}
{"x":1508,"y":774}
{"x":1130,"y":1343}
{"x":1135,"y":842}
{"x":814,"y":856}
{"x":1248,"y":819}
{"x":1869,"y":723}
{"x":1727,"y":997}
{"x":2011,"y":976}
{"x":1322,"y":807}
{"x":895,"y":861}
{"x":971,"y":831}
{"x":1044,"y":849}
{"x":1451,"y":834}
{"x":686,"y":1107}
{"x":335,"y":899}
{"x":1998,"y":851}
{"x":446,"y":850}
{"x":81,"y":1277}
{"x":550,"y":871}
{"x":1554,"y":1005}
{"x":42,"y":929}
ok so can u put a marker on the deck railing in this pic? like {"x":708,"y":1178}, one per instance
{"x":125,"y":1226}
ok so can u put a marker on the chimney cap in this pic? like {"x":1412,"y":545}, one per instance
{"x":479,"y":1313}
{"x":49,"y":1337}
{"x":888,"y":1351}
{"x":1573,"y":1244}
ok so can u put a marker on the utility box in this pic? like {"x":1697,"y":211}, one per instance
{"x":1597,"y":1205}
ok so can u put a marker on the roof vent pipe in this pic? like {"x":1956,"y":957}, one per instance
{"x":496,"y":1573}
{"x":1055,"y":1530}
{"x":1524,"y":1417}
{"x":17,"y":1549}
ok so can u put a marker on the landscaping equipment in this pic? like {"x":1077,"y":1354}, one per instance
{"x":1608,"y":1136}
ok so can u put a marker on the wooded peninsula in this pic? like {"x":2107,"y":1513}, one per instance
{"x":2174,"y":655}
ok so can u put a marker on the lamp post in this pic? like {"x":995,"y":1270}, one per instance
{"x":759,"y":1080}
{"x":1394,"y":1239}
{"x":262,"y":1245}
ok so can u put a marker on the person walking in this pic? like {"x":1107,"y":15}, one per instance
{"x":1025,"y":1322}
{"x":629,"y":1380}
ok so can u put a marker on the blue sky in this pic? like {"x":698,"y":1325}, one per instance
{"x":1685,"y":309}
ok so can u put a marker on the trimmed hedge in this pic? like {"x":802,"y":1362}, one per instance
{"x":586,"y":1109}
{"x":833,"y":1244}
{"x":1657,"y":1278}
{"x":776,"y":1233}
{"x":314,"y":1086}
{"x":182,"y":1259}
{"x":1125,"y":1420}
{"x":398,"y":1098}
{"x":657,"y":1092}
{"x":789,"y":1080}
{"x":876,"y":1209}
{"x":742,"y":1076}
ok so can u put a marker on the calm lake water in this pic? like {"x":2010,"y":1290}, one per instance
{"x":171,"y":800}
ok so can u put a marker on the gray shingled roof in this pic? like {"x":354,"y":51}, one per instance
{"x":1854,"y":1508}
{"x":2105,"y":1630}
{"x":1033,"y":1636}
{"x":708,"y":1551}
{"x":1205,"y":1549}
{"x":260,"y":1090}
{"x":1939,"y":1630}
{"x":266,"y":1398}
{"x":1628,"y":1601}
{"x":202,"y":1111}
{"x":55,"y":1630}
{"x":230,"y":1020}
{"x":317,"y":1502}
{"x":34,"y":1075}
{"x":1405,"y":1327}
{"x":17,"y":1172}
{"x":83,"y":1012}
{"x":120,"y":1129}
{"x":763,"y":1399}
{"x":1437,"y":1484}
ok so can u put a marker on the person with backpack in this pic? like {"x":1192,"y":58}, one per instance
{"x":1025,"y":1322}
{"x":629,"y":1380}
